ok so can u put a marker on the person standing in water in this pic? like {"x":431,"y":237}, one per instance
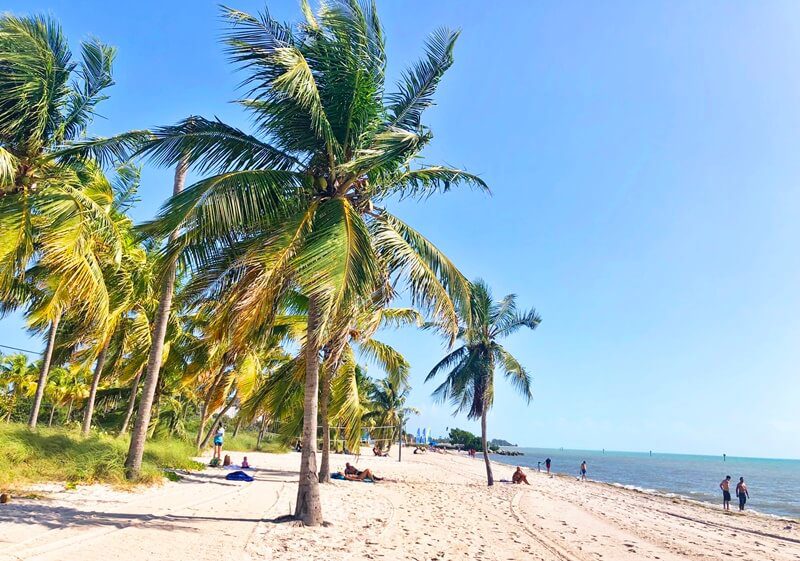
{"x":742,"y":493}
{"x":547,"y":465}
{"x":725,"y":485}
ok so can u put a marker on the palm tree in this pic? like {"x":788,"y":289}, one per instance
{"x":300,"y":203}
{"x":46,"y":103}
{"x":17,"y":379}
{"x":469,"y":369}
{"x":388,"y":413}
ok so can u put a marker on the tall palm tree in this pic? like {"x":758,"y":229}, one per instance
{"x":469,"y":369}
{"x":300,"y":202}
{"x":46,"y":102}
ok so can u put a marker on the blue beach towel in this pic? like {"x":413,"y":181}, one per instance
{"x":238,"y":476}
{"x":343,"y":478}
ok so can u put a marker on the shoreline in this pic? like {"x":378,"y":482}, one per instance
{"x":432,"y":506}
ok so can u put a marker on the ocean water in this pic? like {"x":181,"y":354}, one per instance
{"x":774,"y":485}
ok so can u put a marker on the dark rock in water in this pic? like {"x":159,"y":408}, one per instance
{"x":502,"y":452}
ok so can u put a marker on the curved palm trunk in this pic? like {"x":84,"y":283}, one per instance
{"x":237,"y":427}
{"x":489,"y":477}
{"x":69,"y":410}
{"x":131,"y":403}
{"x":133,"y":463}
{"x":89,"y":411}
{"x":48,"y":355}
{"x":52,"y":412}
{"x":309,"y":507}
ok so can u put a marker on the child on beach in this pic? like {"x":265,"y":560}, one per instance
{"x":218,"y":438}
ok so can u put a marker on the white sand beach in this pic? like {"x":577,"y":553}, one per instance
{"x":436,"y":507}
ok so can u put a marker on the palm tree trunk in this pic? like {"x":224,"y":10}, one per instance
{"x":89,"y":411}
{"x":202,"y":427}
{"x":52,"y":412}
{"x":261,"y":431}
{"x":489,"y":477}
{"x":308,"y":507}
{"x":131,"y":403}
{"x":324,"y":398}
{"x":217,"y":421}
{"x":69,"y":410}
{"x":237,"y":427}
{"x":48,"y":355}
{"x":133,"y":463}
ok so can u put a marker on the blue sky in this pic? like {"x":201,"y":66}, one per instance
{"x":643,"y":162}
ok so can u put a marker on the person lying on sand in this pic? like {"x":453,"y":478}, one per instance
{"x":353,"y":474}
{"x":519,"y":477}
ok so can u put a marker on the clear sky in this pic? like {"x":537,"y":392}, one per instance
{"x":643,"y":158}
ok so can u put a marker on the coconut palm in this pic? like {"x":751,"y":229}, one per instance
{"x":46,"y":102}
{"x":469,"y":369}
{"x":300,"y":203}
{"x":388,"y":412}
{"x":17,"y":380}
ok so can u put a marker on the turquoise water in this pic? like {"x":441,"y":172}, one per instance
{"x":774,"y":485}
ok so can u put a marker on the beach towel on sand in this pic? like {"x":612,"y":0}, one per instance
{"x":343,"y":478}
{"x":238,"y":476}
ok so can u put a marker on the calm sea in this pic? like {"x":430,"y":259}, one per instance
{"x":774,"y":485}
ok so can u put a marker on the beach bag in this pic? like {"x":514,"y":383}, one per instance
{"x":214,"y":462}
{"x":238,"y":476}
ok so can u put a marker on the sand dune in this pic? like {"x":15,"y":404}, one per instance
{"x":437,"y":507}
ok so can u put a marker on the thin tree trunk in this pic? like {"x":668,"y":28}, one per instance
{"x":131,"y":403}
{"x":489,"y":477}
{"x":133,"y":463}
{"x":217,"y":421}
{"x":69,"y":410}
{"x":202,"y":427}
{"x":324,"y":398}
{"x":261,"y":431}
{"x":48,"y":355}
{"x":237,"y":427}
{"x":308,"y":507}
{"x":89,"y":410}
{"x":52,"y":412}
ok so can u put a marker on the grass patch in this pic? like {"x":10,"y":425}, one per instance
{"x":245,"y":441}
{"x":62,"y":455}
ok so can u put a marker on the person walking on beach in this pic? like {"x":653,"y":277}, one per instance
{"x":725,"y":485}
{"x":547,"y":465}
{"x":583,"y":470}
{"x":742,"y":493}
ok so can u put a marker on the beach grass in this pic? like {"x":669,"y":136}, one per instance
{"x":62,"y":455}
{"x":246,"y":441}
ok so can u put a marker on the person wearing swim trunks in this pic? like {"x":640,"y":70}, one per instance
{"x":547,"y":465}
{"x":583,"y":470}
{"x":742,"y":493}
{"x":725,"y":485}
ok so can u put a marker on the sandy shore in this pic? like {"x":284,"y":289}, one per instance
{"x":436,"y":507}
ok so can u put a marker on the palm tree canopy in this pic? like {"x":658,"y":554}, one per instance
{"x":298,"y":202}
{"x":469,"y":369}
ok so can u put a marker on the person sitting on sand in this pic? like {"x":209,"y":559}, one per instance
{"x":519,"y":477}
{"x":377,"y":451}
{"x":742,"y":493}
{"x":245,"y":463}
{"x":725,"y":485}
{"x":354,"y":474}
